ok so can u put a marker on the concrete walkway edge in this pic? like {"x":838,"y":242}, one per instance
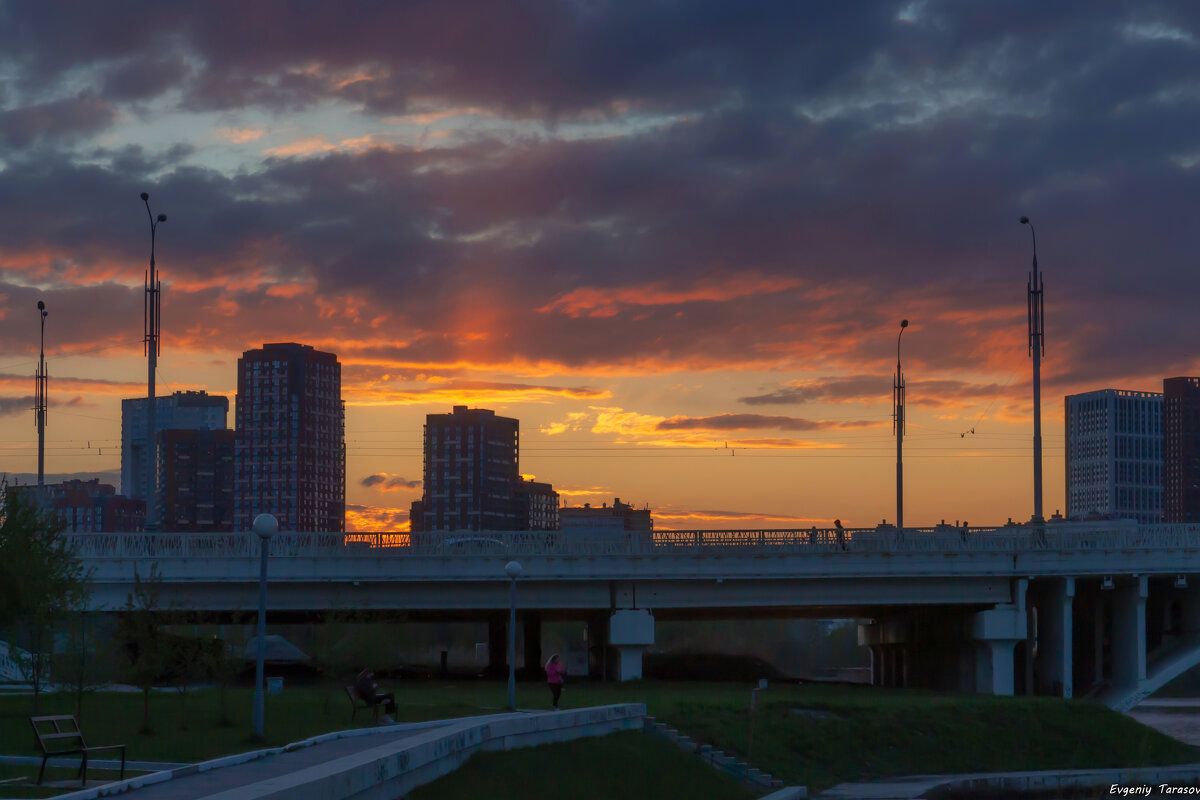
{"x":390,"y":770}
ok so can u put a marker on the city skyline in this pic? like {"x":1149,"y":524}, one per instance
{"x":674,"y":242}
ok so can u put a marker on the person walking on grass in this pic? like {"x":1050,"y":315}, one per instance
{"x":556,"y":672}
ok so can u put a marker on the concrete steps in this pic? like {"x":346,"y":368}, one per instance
{"x":718,"y":759}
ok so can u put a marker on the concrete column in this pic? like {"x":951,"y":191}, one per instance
{"x":994,"y":666}
{"x":1098,"y":627}
{"x":1190,"y":606}
{"x":997,"y":632}
{"x":497,"y":644}
{"x":631,"y":631}
{"x":597,"y":637}
{"x":531,"y":626}
{"x":871,"y":656}
{"x":1129,"y":633}
{"x":1054,"y":636}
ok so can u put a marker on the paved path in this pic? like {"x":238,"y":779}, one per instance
{"x":214,"y":781}
{"x":1185,"y":727}
{"x":1003,"y":784}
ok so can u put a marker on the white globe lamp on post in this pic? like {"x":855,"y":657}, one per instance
{"x":266,"y":526}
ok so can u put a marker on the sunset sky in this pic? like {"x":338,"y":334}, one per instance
{"x":675,"y":240}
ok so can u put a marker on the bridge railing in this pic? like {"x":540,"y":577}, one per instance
{"x":1104,"y":536}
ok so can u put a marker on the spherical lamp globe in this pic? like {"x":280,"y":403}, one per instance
{"x":265,"y":525}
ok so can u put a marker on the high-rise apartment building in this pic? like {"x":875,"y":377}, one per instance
{"x":195,"y":480}
{"x":290,"y":455}
{"x":1181,"y":449}
{"x":1114,"y":455}
{"x":181,"y":410}
{"x":470,"y":472}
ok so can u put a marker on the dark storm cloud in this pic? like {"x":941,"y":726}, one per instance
{"x":57,"y":120}
{"x":21,"y":405}
{"x":853,"y":162}
{"x":388,"y":483}
{"x":530,"y":58}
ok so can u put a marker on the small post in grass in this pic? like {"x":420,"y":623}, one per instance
{"x":762,"y":684}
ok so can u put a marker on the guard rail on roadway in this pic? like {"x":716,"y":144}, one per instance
{"x":1070,"y":536}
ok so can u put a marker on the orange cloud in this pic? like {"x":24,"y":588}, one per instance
{"x":593,"y":302}
{"x":468,"y":393}
{"x":429,"y":117}
{"x":632,"y":427}
{"x":241,"y":135}
{"x":741,"y":422}
{"x":376,"y":519}
{"x":316,"y":145}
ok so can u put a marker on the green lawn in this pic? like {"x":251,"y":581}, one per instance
{"x":30,"y":773}
{"x":620,"y":765}
{"x":818,"y":735}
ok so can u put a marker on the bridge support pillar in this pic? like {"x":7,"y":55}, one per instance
{"x":889,"y":642}
{"x":631,"y":631}
{"x":1055,"y":670}
{"x":597,"y":638}
{"x":1129,"y":633}
{"x":996,"y":633}
{"x":497,"y":645}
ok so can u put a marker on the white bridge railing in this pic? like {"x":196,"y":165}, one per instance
{"x":1065,"y":537}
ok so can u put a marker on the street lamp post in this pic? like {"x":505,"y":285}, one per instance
{"x":898,"y":425}
{"x":152,"y":321}
{"x":1037,"y":348}
{"x":39,"y":407}
{"x":266,"y":526}
{"x":513,"y":570}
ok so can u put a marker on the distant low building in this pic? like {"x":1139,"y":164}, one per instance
{"x":90,"y":506}
{"x":619,"y":516}
{"x":537,"y":505}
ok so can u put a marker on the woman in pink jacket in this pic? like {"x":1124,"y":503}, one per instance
{"x":555,"y":673}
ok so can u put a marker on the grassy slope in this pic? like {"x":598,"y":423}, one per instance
{"x":851,"y":733}
{"x":621,"y":765}
{"x":864,"y":733}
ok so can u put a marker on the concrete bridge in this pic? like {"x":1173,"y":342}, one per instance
{"x":1110,"y":609}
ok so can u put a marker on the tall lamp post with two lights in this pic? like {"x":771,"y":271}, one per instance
{"x":39,"y":408}
{"x":1037,"y":348}
{"x":266,"y":526}
{"x":153,"y":320}
{"x":898,"y":417}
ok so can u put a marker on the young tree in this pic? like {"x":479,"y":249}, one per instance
{"x":145,"y":655}
{"x":41,"y":579}
{"x":222,"y":658}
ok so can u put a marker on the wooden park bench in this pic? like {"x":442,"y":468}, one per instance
{"x":359,"y":704}
{"x":65,"y":740}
